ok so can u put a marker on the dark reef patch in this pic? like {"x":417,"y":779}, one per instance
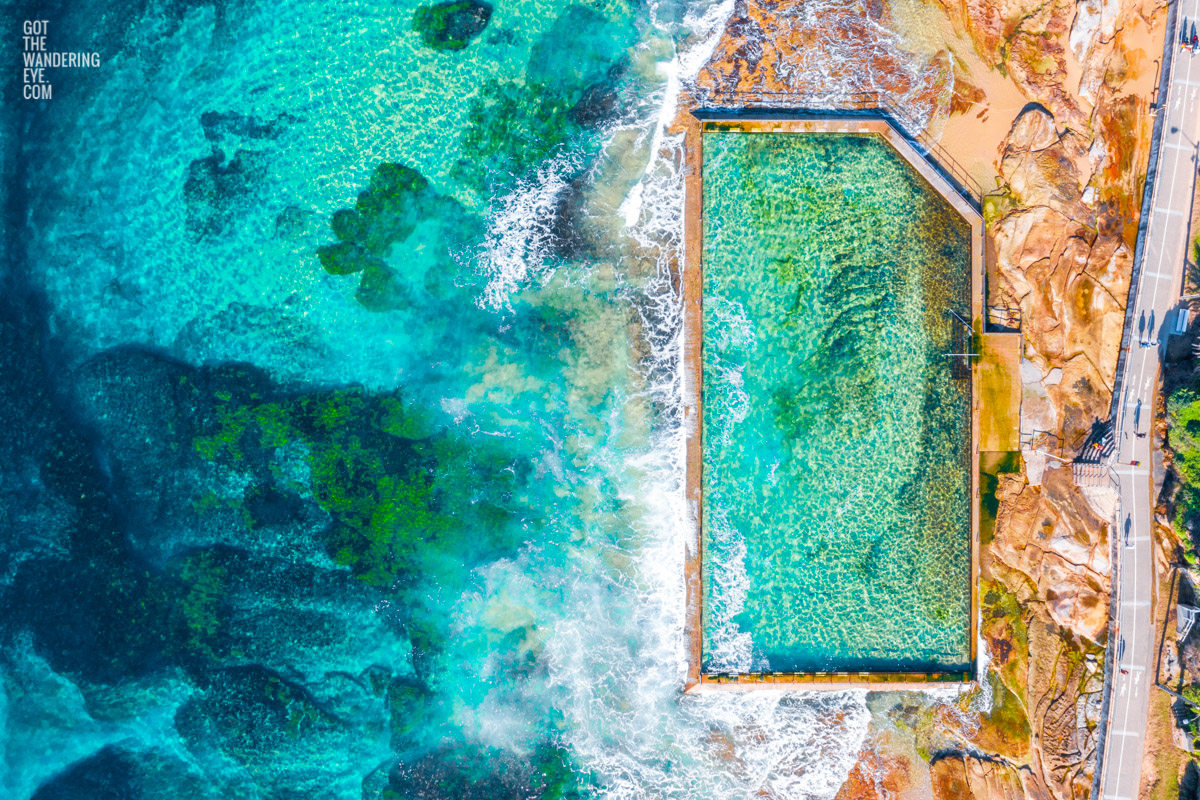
{"x":266,"y":601}
{"x":451,"y":25}
{"x":470,"y":774}
{"x":570,"y":83}
{"x":219,"y":125}
{"x":397,"y":202}
{"x":215,"y":189}
{"x":599,"y":101}
{"x":111,"y":774}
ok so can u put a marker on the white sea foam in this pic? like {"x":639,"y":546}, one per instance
{"x":729,"y":648}
{"x":706,"y":25}
{"x":515,"y":249}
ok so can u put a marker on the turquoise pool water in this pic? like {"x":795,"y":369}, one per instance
{"x":836,"y":442}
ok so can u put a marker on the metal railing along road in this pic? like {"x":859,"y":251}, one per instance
{"x":1139,"y":255}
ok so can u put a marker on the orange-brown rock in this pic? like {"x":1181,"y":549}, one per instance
{"x":878,"y":775}
{"x":1050,"y":534}
{"x":1070,"y":284}
{"x":1094,"y":308}
{"x":1082,"y":396}
{"x":959,"y":777}
{"x":777,"y":50}
{"x":1044,"y":166}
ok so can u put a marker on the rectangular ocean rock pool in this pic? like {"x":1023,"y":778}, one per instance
{"x":836,"y":430}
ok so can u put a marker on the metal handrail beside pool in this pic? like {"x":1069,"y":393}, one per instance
{"x":871,"y":102}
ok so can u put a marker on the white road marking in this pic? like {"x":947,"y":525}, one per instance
{"x":1164,"y":247}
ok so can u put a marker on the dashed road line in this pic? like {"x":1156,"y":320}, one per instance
{"x":1121,"y":768}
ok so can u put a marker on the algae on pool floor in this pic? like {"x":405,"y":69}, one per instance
{"x":836,"y":440}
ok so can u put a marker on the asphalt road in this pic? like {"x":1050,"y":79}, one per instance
{"x":1157,"y":296}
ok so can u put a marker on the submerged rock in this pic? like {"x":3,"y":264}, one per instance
{"x":215,"y":189}
{"x":262,"y":558}
{"x":397,"y":206}
{"x":451,"y":25}
{"x":518,"y":124}
{"x":218,"y":125}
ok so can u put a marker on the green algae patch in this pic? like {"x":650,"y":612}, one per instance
{"x":204,"y":577}
{"x":398,"y":238}
{"x":1183,"y":439}
{"x":1005,"y":729}
{"x":452,"y":25}
{"x":1004,"y":628}
{"x":396,"y":488}
{"x":991,"y":466}
{"x":515,"y":124}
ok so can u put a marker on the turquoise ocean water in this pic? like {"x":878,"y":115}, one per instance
{"x":836,"y":442}
{"x":341,"y":445}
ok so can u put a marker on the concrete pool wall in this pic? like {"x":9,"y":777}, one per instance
{"x":693,"y":385}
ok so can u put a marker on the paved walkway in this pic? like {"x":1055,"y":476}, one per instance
{"x":1157,"y":294}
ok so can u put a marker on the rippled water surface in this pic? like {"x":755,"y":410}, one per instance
{"x":836,"y":441}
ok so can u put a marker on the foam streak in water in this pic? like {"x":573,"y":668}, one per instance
{"x":519,"y":232}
